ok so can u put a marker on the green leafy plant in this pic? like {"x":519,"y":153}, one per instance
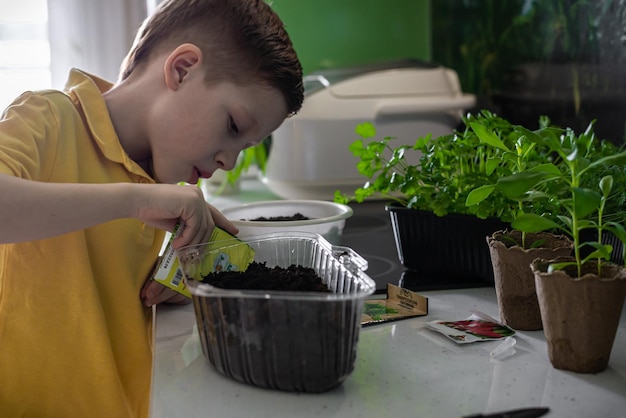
{"x":448,"y":168}
{"x":249,"y":157}
{"x":575,"y":204}
{"x":529,"y":167}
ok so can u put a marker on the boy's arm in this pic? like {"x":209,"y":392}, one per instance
{"x":33,"y":210}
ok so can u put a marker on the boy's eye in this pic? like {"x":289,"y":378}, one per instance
{"x":232,"y":126}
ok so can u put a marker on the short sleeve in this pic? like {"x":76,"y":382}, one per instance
{"x":29,"y":137}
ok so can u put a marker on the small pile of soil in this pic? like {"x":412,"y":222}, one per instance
{"x":260,"y":277}
{"x":296,"y":217}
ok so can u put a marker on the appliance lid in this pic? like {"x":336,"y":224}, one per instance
{"x":321,"y":79}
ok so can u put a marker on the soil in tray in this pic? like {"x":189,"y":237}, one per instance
{"x":258,"y":276}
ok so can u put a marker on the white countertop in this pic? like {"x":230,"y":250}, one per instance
{"x":402,"y":370}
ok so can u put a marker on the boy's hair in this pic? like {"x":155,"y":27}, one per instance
{"x":242,"y":41}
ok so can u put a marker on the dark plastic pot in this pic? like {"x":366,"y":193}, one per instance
{"x":452,"y":247}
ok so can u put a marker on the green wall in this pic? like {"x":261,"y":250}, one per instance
{"x":336,"y":33}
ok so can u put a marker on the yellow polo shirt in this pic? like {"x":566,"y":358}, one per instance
{"x":75,"y":339}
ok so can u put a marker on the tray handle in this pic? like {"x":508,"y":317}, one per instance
{"x":349,"y":258}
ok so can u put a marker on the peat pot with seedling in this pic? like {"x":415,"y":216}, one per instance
{"x":580,"y":297}
{"x":512,"y":251}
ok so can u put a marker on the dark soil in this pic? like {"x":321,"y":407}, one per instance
{"x":296,"y":217}
{"x":260,"y":277}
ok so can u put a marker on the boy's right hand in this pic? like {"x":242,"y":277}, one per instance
{"x":167,"y":204}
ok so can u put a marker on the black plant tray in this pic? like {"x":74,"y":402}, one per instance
{"x":451,"y":248}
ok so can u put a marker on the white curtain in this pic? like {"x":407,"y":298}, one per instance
{"x":93,"y":35}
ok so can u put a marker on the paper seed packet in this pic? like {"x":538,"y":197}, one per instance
{"x":169,"y":273}
{"x":477,"y":327}
{"x":400,"y":304}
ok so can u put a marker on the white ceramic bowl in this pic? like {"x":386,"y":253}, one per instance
{"x":326,"y":218}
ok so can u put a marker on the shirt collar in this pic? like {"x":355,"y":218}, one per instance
{"x":86,"y":91}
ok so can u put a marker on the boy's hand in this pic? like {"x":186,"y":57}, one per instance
{"x":154,"y":292}
{"x":165,"y":205}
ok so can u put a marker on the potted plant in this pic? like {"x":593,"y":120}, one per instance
{"x":436,"y":233}
{"x":580,"y":297}
{"x":512,"y":251}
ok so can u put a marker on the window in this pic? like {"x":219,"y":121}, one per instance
{"x":40,"y":40}
{"x":24,"y":48}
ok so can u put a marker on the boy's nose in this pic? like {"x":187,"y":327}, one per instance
{"x":226,"y":161}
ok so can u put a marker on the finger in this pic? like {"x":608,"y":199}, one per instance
{"x":222,"y":221}
{"x":153,"y":293}
{"x":195,"y":233}
{"x":166,"y":295}
{"x":178,"y":299}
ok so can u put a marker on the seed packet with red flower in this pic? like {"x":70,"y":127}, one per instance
{"x":478,"y":327}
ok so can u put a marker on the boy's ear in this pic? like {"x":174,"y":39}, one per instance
{"x":181,"y":61}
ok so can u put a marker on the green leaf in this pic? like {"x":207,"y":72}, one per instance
{"x":547,"y":168}
{"x":538,"y":243}
{"x":573,"y":155}
{"x":365,"y":130}
{"x":586,"y":201}
{"x":492,"y":164}
{"x":606,"y":184}
{"x":516,"y":185}
{"x":356,"y":147}
{"x":602,"y":251}
{"x":421,"y":142}
{"x":340,"y":197}
{"x":260,"y":156}
{"x":616,"y":159}
{"x":560,"y":266}
{"x":530,"y":222}
{"x":618,"y":230}
{"x":479,"y":194}
{"x":487,"y":136}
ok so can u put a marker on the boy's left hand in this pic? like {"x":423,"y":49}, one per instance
{"x":154,"y":292}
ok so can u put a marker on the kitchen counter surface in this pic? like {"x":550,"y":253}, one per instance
{"x":402,"y":369}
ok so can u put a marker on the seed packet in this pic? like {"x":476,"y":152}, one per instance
{"x":400,"y":304}
{"x":169,"y":273}
{"x":477,"y":327}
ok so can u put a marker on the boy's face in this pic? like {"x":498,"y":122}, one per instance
{"x":200,"y":128}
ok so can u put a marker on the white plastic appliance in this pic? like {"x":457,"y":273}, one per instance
{"x":309,"y":156}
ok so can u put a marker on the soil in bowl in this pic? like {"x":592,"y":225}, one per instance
{"x":295,"y":217}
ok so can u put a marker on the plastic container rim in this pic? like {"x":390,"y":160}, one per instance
{"x":368,"y":286}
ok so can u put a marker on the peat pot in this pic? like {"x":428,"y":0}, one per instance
{"x":580,"y":315}
{"x":514,"y":280}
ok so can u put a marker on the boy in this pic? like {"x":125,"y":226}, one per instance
{"x":88,"y":184}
